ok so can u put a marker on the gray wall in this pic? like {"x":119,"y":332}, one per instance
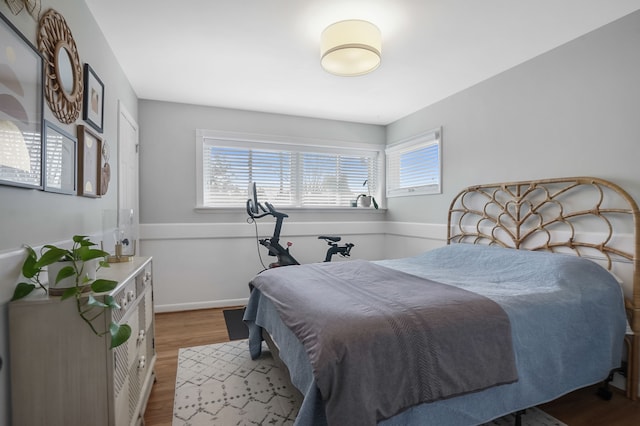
{"x":168,"y":155}
{"x":572,"y":111}
{"x":36,"y":217}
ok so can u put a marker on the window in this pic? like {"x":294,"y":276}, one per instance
{"x":287,"y":173}
{"x":414,"y":165}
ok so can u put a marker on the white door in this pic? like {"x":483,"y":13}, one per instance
{"x":128,"y":195}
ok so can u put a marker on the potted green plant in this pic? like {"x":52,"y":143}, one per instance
{"x":367,"y":199}
{"x":81,"y":263}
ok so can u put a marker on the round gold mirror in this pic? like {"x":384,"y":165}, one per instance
{"x":63,"y":71}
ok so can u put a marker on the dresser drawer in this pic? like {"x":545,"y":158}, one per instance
{"x":125,"y":297}
{"x":143,"y":279}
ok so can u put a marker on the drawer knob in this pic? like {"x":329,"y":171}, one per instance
{"x":140,"y":336}
{"x":141,"y":362}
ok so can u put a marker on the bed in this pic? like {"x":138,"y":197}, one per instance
{"x":536,"y":294}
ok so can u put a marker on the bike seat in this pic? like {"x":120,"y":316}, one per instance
{"x":329,"y":238}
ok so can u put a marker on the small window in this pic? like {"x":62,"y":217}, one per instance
{"x":287,"y":173}
{"x":414,"y":165}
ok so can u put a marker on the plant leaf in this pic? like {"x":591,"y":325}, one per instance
{"x":92,"y":301}
{"x":85,"y":254}
{"x":22,"y":290}
{"x":101,"y":285}
{"x":65,"y":272}
{"x":52,"y":255}
{"x":83,"y":241}
{"x":119,"y":334}
{"x":375,"y":204}
{"x":29,"y":268}
{"x":70,"y":292}
{"x":111,"y":302}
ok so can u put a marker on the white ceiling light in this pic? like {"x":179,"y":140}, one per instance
{"x":350,"y":48}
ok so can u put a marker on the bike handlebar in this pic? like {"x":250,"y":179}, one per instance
{"x":274,"y":212}
{"x":251,"y":211}
{"x":269,"y":211}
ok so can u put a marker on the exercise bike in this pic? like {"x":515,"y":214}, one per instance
{"x":256,"y":210}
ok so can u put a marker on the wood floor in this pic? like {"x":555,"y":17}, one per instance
{"x":177,"y":330}
{"x":193,"y":328}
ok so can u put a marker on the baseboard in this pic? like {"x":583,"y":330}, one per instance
{"x":177,"y":307}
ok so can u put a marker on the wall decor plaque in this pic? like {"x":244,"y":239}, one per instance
{"x":89,"y":163}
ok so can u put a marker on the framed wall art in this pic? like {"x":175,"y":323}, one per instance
{"x":89,"y":162}
{"x":93,"y":99}
{"x":21,"y":104}
{"x":60,"y":158}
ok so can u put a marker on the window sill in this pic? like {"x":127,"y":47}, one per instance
{"x":349,"y":210}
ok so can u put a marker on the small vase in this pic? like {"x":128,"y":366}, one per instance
{"x":88,"y":269}
{"x":365,"y":201}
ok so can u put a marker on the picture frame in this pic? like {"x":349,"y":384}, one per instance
{"x":21,"y":109}
{"x":93,"y":112}
{"x":60,"y":159}
{"x":89,"y":162}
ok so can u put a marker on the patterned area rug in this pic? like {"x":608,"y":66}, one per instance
{"x":219,"y":385}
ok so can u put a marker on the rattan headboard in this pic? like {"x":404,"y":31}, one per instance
{"x":586,"y":216}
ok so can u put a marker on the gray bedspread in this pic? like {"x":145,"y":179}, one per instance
{"x":366,"y":327}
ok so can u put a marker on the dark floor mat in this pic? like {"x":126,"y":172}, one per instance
{"x":236,"y":328}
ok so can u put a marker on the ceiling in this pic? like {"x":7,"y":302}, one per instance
{"x":263,"y":55}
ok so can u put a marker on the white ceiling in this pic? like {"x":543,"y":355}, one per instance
{"x":263,"y":55}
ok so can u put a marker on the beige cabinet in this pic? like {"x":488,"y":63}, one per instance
{"x":63,"y":374}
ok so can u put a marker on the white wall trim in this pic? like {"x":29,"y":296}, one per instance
{"x":173,"y":231}
{"x":10,"y":267}
{"x":431,"y":231}
{"x":399,"y":239}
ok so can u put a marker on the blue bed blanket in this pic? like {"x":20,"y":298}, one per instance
{"x":567,"y":321}
{"x":365,"y":326}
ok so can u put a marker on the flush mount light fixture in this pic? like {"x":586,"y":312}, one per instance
{"x":350,"y":48}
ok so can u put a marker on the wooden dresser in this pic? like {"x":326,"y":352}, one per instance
{"x":63,"y":374}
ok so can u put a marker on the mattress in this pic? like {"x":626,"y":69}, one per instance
{"x":567,"y":322}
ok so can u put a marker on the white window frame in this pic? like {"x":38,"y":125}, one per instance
{"x":276,"y":142}
{"x":415,"y":143}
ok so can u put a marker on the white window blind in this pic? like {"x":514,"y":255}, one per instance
{"x":414,"y":165}
{"x":20,"y":157}
{"x":55,"y":159}
{"x":286,"y":174}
